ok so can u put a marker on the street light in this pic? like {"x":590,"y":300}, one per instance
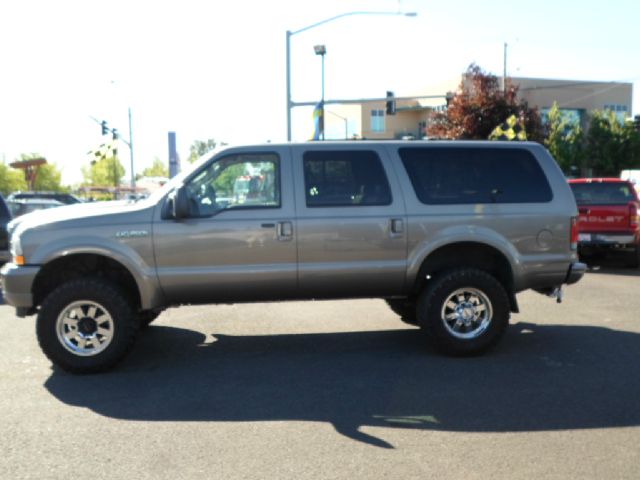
{"x":289,"y":34}
{"x":322,"y":51}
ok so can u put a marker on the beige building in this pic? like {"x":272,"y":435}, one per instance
{"x":575,"y":98}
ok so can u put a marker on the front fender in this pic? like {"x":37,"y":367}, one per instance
{"x":134,"y":254}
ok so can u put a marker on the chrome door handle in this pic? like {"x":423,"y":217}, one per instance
{"x":285,"y":231}
{"x":397,"y":226}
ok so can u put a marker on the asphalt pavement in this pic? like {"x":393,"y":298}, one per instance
{"x":338,"y":390}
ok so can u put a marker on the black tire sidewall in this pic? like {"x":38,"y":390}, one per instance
{"x":100,"y":291}
{"x":432,"y":300}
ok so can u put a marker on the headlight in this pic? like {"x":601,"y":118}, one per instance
{"x":16,"y":249}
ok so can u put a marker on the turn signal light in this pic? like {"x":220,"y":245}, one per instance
{"x":19,"y":260}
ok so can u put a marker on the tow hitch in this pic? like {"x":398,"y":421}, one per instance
{"x":557,"y":293}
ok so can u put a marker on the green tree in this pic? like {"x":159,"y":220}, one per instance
{"x":106,"y":172}
{"x":564,"y":140}
{"x":11,"y":180}
{"x":611,"y":145}
{"x":158,"y":169}
{"x":49,"y":178}
{"x":199,"y":148}
{"x":479,"y":106}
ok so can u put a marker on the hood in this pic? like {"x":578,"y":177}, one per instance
{"x":79,"y":214}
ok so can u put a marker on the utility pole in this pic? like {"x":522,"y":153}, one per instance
{"x":504,"y":74}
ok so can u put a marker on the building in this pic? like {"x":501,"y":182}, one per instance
{"x":574,"y":97}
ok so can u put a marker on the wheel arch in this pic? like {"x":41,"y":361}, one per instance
{"x":467,"y":254}
{"x":79,"y":265}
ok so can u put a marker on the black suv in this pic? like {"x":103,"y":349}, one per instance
{"x":65,"y":198}
{"x":5,"y":217}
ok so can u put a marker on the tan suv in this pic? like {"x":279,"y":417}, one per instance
{"x":447,"y":232}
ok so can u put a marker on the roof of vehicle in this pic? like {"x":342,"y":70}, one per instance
{"x":598,"y":180}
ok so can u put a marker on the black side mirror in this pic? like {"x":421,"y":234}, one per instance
{"x":181,"y":203}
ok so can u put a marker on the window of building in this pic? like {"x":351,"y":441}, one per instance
{"x":377,"y":121}
{"x":345,"y":178}
{"x":621,"y":111}
{"x":443,"y":176}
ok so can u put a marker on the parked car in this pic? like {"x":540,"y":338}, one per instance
{"x":5,"y":218}
{"x":609,"y":217}
{"x":66,"y":198}
{"x":28,"y":205}
{"x":447,"y":232}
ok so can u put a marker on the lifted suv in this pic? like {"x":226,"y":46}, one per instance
{"x":447,"y":232}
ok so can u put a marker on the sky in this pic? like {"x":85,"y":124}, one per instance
{"x":216,"y":69}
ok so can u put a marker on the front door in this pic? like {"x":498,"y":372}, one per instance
{"x":238,"y":242}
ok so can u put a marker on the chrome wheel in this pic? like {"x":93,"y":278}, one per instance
{"x":85,"y":328}
{"x":466,"y":313}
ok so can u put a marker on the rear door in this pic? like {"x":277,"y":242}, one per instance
{"x":351,"y":222}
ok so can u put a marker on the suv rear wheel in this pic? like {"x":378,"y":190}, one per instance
{"x":86,"y":325}
{"x":464,"y":312}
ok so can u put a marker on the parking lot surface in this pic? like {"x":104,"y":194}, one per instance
{"x":337,"y":390}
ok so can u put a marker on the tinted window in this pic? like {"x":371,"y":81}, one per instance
{"x":475,"y":175}
{"x":602,"y":193}
{"x":345,"y":178}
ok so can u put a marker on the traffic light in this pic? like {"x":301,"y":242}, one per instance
{"x":114,"y":133}
{"x":391,"y":103}
{"x":636,"y":122}
{"x":105,"y":129}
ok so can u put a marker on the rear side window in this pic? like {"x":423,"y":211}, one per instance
{"x":345,"y":178}
{"x":442,"y":176}
{"x":613,"y":193}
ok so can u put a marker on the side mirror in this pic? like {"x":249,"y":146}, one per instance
{"x":181,"y":203}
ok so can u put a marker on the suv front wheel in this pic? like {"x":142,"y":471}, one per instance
{"x":464,"y":311}
{"x":86,"y":325}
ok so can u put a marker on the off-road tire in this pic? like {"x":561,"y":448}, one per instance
{"x":468,"y":292}
{"x":86,"y":291}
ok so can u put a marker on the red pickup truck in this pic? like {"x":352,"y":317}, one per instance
{"x":609,"y":216}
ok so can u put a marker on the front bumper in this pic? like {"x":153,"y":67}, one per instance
{"x":16,"y":283}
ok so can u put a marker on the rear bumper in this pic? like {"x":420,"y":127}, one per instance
{"x":587,"y":240}
{"x":16,"y":283}
{"x":575,"y":273}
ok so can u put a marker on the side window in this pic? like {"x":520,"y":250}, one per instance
{"x":236,"y":181}
{"x":345,"y":178}
{"x":443,"y":176}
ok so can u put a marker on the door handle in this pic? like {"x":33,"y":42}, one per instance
{"x":396,"y":227}
{"x":285,"y":231}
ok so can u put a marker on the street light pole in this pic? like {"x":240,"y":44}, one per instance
{"x":289,"y":34}
{"x":322,"y":51}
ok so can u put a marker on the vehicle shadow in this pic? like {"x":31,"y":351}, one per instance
{"x":612,"y":264}
{"x":541,"y":378}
